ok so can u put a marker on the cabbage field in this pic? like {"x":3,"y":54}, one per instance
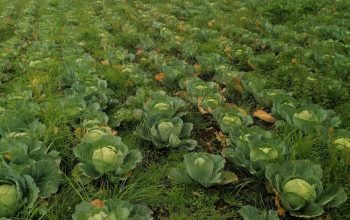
{"x":178,"y":109}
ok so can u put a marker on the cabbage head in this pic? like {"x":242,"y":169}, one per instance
{"x":299,"y":185}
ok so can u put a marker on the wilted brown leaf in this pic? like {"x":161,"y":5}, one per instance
{"x":264,"y":116}
{"x":98,"y":203}
{"x":238,"y":85}
{"x":202,"y":110}
{"x":182,"y":94}
{"x":139,"y":51}
{"x":280,"y":210}
{"x":197,"y":68}
{"x":159,"y":77}
{"x":105,"y":62}
{"x":209,"y":147}
{"x":219,"y":136}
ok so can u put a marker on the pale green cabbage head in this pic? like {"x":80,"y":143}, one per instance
{"x":98,"y":216}
{"x":305,"y":115}
{"x":106,"y":159}
{"x":8,"y":197}
{"x":161,"y":106}
{"x":201,"y":87}
{"x":94,"y":134}
{"x":343,"y":143}
{"x":301,"y":188}
{"x":263,"y":153}
{"x":199,"y":161}
{"x":229,"y":120}
{"x":212,"y":101}
{"x":165,"y":125}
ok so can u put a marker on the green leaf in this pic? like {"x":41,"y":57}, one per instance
{"x":252,"y":213}
{"x":309,"y":211}
{"x":333,"y":196}
{"x":186,"y":130}
{"x":180,"y":176}
{"x":228,"y":177}
{"x":46,"y":175}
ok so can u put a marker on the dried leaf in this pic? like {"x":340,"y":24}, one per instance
{"x":211,"y":23}
{"x":181,"y":27}
{"x":182,"y":94}
{"x":238,"y":85}
{"x":98,"y":203}
{"x":129,"y":83}
{"x":105,"y":62}
{"x":209,"y":147}
{"x":262,"y":115}
{"x":201,"y":110}
{"x":78,"y":131}
{"x":280,"y":210}
{"x":159,"y":77}
{"x":139,"y":51}
{"x":219,"y":136}
{"x":228,"y":51}
{"x":129,"y":174}
{"x":197,"y":67}
{"x":330,"y":130}
{"x":7,"y":155}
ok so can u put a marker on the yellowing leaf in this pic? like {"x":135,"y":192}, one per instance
{"x":211,"y":23}
{"x":196,"y":194}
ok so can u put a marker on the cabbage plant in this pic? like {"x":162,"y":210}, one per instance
{"x":30,"y":157}
{"x":112,"y":209}
{"x":242,"y":136}
{"x":107,"y":155}
{"x":340,"y":142}
{"x":203,"y":94}
{"x":299,"y":185}
{"x":253,"y":148}
{"x":204,"y":169}
{"x":209,"y":103}
{"x":255,"y":155}
{"x":148,"y":102}
{"x":17,"y":191}
{"x":230,"y":118}
{"x":94,"y":129}
{"x":195,"y":87}
{"x":311,"y":117}
{"x":267,"y":97}
{"x":251,"y":213}
{"x":164,"y":105}
{"x":175,"y":71}
{"x":167,"y":133}
{"x":284,"y":106}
